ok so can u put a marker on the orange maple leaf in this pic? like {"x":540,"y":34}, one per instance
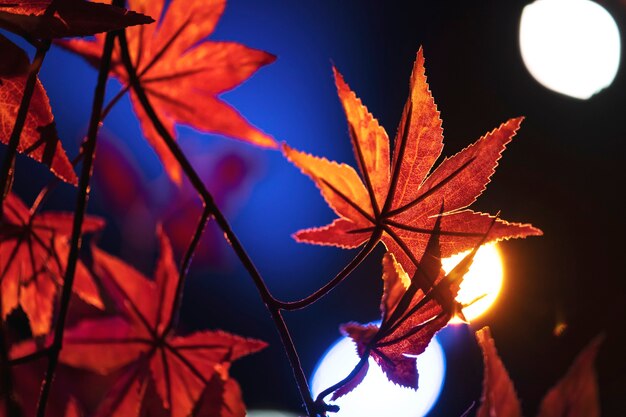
{"x":398,"y":201}
{"x":410,"y":316}
{"x":33,"y":256}
{"x":70,"y":18}
{"x":183,"y":74}
{"x":575,"y":395}
{"x":174,"y":368}
{"x":39,"y":138}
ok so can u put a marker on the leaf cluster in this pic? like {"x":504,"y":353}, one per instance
{"x":398,"y":196}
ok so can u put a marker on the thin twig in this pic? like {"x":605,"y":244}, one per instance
{"x":347,"y":270}
{"x":43,"y":194}
{"x":113,"y":102}
{"x":47,"y":189}
{"x":209,"y":206}
{"x":79,"y":215}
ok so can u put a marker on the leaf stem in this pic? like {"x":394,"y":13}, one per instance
{"x":8,"y":165}
{"x":43,"y":194}
{"x":319,"y":401}
{"x":347,"y":270}
{"x":79,"y":215}
{"x":113,"y":102}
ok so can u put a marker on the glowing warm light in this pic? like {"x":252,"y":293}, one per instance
{"x":482,"y":284}
{"x":376,"y":396}
{"x":570,"y":46}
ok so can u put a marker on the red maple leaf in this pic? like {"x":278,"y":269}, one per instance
{"x":410,"y":317}
{"x":183,"y":73}
{"x":72,"y":409}
{"x":39,"y":138}
{"x":221,"y":398}
{"x":33,"y":256}
{"x":70,"y":18}
{"x":575,"y":395}
{"x":156,"y":362}
{"x":397,"y":201}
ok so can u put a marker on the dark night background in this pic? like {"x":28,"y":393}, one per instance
{"x":564,"y":173}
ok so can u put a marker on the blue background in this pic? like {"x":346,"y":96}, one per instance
{"x":563,"y":173}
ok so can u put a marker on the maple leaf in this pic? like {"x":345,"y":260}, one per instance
{"x":575,"y":395}
{"x":221,"y":398}
{"x":183,"y":74}
{"x":177,"y":368}
{"x":410,"y":317}
{"x":399,"y":198}
{"x":70,"y":18}
{"x":499,"y":398}
{"x":33,"y":256}
{"x":39,"y":138}
{"x":72,"y":409}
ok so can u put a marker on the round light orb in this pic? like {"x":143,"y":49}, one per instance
{"x":482,"y":283}
{"x":376,"y":396}
{"x":570,"y":46}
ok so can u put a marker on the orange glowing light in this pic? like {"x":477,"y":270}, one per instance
{"x":482,"y":283}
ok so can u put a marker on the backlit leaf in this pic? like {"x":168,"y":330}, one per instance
{"x":71,"y":18}
{"x":183,"y":73}
{"x":410,"y":317}
{"x":396,"y":195}
{"x":155,"y":361}
{"x":39,"y":138}
{"x":499,"y":398}
{"x":33,"y":256}
{"x":575,"y":395}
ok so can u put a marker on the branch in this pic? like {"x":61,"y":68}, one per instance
{"x":347,"y":270}
{"x":89,"y":151}
{"x":47,"y":189}
{"x":210,"y":208}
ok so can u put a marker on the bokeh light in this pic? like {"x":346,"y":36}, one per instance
{"x":482,"y":284}
{"x":570,"y":46}
{"x":376,"y":396}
